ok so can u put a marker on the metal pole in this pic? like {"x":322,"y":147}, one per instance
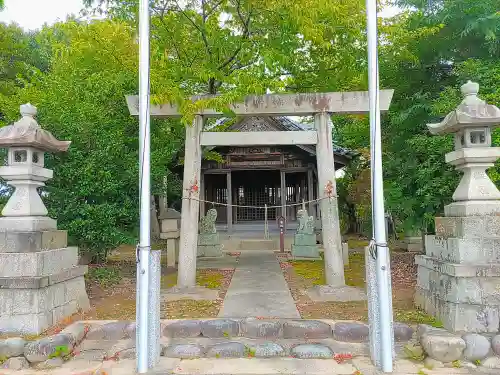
{"x":378,"y":212}
{"x":145,"y":188}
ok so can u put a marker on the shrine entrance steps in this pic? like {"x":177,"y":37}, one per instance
{"x":247,"y":346}
{"x":257,"y":244}
{"x":251,"y":237}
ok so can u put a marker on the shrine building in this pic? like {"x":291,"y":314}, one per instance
{"x":255,"y":176}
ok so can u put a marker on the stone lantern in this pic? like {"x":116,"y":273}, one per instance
{"x":40,"y":279}
{"x":26,"y":143}
{"x":459,"y":275}
{"x":472,"y":123}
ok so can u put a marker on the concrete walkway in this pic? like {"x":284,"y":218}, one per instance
{"x":258,"y":289}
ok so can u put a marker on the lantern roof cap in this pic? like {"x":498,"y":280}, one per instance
{"x":28,"y":133}
{"x":471,"y":112}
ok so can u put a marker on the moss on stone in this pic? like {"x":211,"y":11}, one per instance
{"x":416,"y":316}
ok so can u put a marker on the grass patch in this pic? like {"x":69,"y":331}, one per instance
{"x":313,"y":270}
{"x":127,"y":253}
{"x":355,"y":272}
{"x":168,"y":281}
{"x":309,"y":273}
{"x":355,"y":243}
{"x":416,"y":317}
{"x":211,"y":279}
{"x":104,"y":276}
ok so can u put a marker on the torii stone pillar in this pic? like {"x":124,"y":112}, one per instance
{"x":334,"y":265}
{"x":335,"y":288}
{"x":459,"y":277}
{"x":186,"y":277}
{"x":40,"y":279}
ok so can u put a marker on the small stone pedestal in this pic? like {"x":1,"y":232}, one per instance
{"x":208,"y":239}
{"x":40,"y":279}
{"x":170,"y":222}
{"x":459,"y":276}
{"x":304,"y":240}
{"x":414,"y":244}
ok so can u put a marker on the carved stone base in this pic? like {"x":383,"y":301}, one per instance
{"x":464,"y":297}
{"x":209,"y":245}
{"x":305,"y":251}
{"x":29,"y":308}
{"x":27,"y":224}
{"x":304,"y":246}
{"x":209,"y":251}
{"x":472,"y":208}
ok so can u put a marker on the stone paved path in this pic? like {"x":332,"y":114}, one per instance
{"x":243,"y":366}
{"x":258,"y":289}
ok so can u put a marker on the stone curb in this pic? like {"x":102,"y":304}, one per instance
{"x":447,"y":349}
{"x":344,"y":331}
{"x":19,"y":354}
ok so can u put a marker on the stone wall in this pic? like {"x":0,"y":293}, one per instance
{"x":444,"y":349}
{"x":459,"y":277}
{"x":40,"y":281}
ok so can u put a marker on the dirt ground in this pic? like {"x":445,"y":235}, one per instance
{"x":111,"y":288}
{"x":302,"y":275}
{"x":111,"y":299}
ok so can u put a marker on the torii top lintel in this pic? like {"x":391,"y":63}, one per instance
{"x":356,"y":102}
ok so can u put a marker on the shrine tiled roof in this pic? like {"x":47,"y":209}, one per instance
{"x":291,"y":125}
{"x":288,"y":124}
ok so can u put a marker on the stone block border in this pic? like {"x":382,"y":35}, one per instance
{"x":98,"y":341}
{"x":302,"y":338}
{"x":252,"y":328}
{"x":45,"y":353}
{"x":445,"y":349}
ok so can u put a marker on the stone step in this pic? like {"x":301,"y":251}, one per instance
{"x":206,"y":366}
{"x":167,"y":366}
{"x":258,"y":244}
{"x":291,"y":366}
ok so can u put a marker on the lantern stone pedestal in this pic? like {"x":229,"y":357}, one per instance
{"x":41,"y":282}
{"x":414,"y":244}
{"x":459,"y":275}
{"x":170,"y":223}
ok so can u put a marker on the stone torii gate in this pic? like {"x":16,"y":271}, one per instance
{"x":319,"y":105}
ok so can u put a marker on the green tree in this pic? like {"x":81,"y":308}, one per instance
{"x":21,"y":59}
{"x":231,"y":48}
{"x":429,"y":46}
{"x":239,"y":47}
{"x":94,"y":193}
{"x":428,"y":51}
